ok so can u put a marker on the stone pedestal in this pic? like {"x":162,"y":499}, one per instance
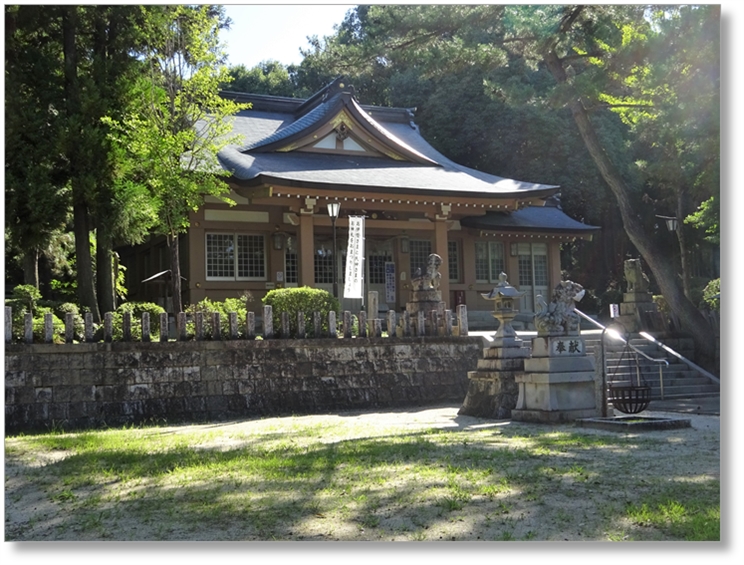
{"x":426,"y":301}
{"x":492,"y":389}
{"x":635,"y":303}
{"x":558,"y":382}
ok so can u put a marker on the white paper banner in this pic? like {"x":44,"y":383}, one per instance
{"x":355,"y":258}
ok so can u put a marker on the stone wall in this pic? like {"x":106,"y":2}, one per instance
{"x":111,"y":384}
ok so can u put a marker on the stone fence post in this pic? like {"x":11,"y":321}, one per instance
{"x":199,"y":326}
{"x":48,"y":328}
{"x":146,"y":327}
{"x":126,"y":326}
{"x":88,"y":320}
{"x":233,"y":321}
{"x":108,"y":327}
{"x":216,"y":326}
{"x":362,"y":324}
{"x":462,"y":319}
{"x":268,"y":322}
{"x":332,"y":323}
{"x":347,"y":324}
{"x":285,"y":325}
{"x":317,"y":325}
{"x":28,"y":328}
{"x":164,"y":330}
{"x":250,"y":330}
{"x":300,"y":325}
{"x":8,"y":324}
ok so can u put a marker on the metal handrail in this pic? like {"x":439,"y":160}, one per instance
{"x":666,"y":348}
{"x":621,"y":338}
{"x":632,"y":347}
{"x":682,"y":358}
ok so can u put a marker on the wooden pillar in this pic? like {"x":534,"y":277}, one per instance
{"x":306,"y":243}
{"x":440,"y":248}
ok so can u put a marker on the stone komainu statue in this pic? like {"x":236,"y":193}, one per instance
{"x":634,"y":276}
{"x":559,"y":317}
{"x":429,"y":280}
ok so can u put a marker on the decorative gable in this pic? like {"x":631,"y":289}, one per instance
{"x":343,"y":134}
{"x":332,"y":122}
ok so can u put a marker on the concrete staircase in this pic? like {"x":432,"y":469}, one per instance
{"x":679,"y":380}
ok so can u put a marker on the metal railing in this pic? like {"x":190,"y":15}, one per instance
{"x":652,"y":339}
{"x":618,"y":336}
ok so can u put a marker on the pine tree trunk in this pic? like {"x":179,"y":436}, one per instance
{"x":661,"y":266}
{"x":86,"y":288}
{"x":84,"y":262}
{"x":31,"y":267}
{"x":682,"y":211}
{"x":105,"y":270}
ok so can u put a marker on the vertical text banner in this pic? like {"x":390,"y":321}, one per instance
{"x":355,"y":258}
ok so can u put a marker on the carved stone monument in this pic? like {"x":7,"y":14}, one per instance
{"x":558,"y":380}
{"x":492,"y":389}
{"x":425,"y":297}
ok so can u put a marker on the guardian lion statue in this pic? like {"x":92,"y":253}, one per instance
{"x":635,"y":277}
{"x":559,"y":317}
{"x":429,"y":280}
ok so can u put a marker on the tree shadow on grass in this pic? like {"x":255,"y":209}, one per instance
{"x":500,"y":483}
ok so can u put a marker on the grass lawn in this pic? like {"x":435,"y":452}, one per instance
{"x":336,"y":478}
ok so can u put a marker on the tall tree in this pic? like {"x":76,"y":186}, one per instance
{"x":590,"y":54}
{"x":268,"y":77}
{"x":67,"y":67}
{"x":179,"y":121}
{"x":37,"y":193}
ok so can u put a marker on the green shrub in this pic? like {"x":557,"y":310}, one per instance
{"x":304,"y":299}
{"x":64,"y":308}
{"x":207,"y":307}
{"x":712,"y":295}
{"x":136,"y":309}
{"x":28,"y":295}
{"x":20,"y":306}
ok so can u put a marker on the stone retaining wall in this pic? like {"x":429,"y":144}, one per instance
{"x":111,"y":384}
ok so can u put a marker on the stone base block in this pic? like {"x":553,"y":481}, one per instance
{"x":493,"y":396}
{"x":562,"y":396}
{"x":494,"y":352}
{"x":558,"y":364}
{"x":551,"y":417}
{"x":515,"y":364}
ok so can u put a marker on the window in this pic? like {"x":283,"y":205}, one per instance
{"x":420,"y":249}
{"x":533,"y":272}
{"x":377,"y":268}
{"x":453,"y":253}
{"x":291,"y":271}
{"x":489,"y":261}
{"x":235,"y":257}
{"x":291,"y":264}
{"x":533,"y":259}
{"x":323,"y":263}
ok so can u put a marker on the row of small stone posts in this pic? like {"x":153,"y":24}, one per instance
{"x":396,"y":327}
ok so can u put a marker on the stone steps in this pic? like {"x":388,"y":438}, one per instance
{"x":680,"y":381}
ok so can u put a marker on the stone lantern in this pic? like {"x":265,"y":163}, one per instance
{"x":503,"y":296}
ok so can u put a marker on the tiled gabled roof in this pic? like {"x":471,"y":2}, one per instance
{"x":274,"y":123}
